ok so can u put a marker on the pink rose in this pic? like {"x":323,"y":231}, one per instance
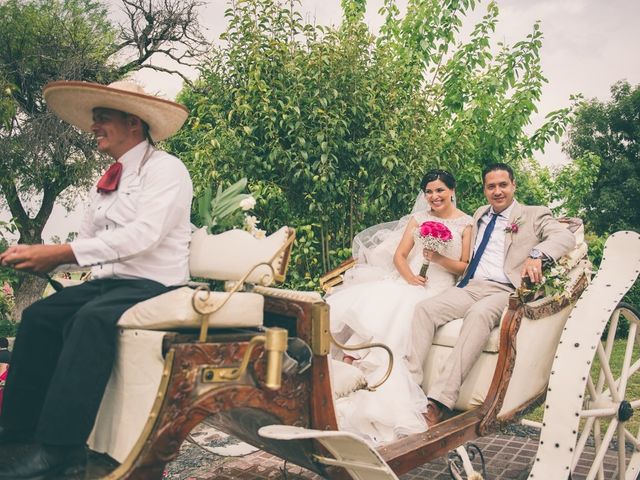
{"x":435,"y":230}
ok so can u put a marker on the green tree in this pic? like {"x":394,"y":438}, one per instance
{"x":44,"y":159}
{"x":604,"y":144}
{"x":601,"y":184}
{"x":335,"y":127}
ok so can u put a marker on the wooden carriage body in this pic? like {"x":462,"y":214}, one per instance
{"x":225,"y":375}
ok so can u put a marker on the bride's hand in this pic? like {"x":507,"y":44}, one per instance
{"x":417,"y":280}
{"x":431,"y":255}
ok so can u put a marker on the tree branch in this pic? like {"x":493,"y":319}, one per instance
{"x":161,"y":27}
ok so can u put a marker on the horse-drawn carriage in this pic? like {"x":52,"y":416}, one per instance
{"x":260,"y":369}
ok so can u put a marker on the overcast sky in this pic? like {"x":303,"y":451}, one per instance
{"x":588,"y":45}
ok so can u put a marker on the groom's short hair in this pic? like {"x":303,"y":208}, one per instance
{"x":496,"y":167}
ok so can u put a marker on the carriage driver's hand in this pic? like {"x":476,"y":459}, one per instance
{"x":37,"y":258}
{"x":532,"y":268}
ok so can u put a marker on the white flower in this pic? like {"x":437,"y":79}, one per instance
{"x":247,"y":203}
{"x":260,"y":234}
{"x":557,"y":271}
{"x":250,"y":222}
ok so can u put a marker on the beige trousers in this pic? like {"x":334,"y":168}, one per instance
{"x":481,"y":304}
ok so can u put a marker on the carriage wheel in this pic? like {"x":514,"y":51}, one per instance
{"x":612,"y":396}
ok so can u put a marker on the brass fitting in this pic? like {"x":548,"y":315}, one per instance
{"x":275,"y":340}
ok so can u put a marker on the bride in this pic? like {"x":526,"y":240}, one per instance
{"x":376,"y":302}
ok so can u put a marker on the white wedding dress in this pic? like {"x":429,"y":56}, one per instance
{"x":375,"y":304}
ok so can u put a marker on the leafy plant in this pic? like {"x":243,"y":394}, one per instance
{"x":555,"y":282}
{"x":225,"y":210}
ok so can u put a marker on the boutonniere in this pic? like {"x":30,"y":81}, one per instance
{"x":513,"y":227}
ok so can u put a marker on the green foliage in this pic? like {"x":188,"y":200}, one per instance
{"x":8,"y":328}
{"x":335,"y":127}
{"x":223,"y":211}
{"x":604,"y":143}
{"x":572,"y":185}
{"x":602,"y":183}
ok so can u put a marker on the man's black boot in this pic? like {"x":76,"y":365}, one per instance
{"x":44,"y":460}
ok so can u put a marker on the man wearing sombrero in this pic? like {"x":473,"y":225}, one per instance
{"x":135,"y":236}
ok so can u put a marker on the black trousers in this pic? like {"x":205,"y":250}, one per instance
{"x":62,"y":359}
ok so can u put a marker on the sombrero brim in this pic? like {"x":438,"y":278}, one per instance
{"x":74,"y":101}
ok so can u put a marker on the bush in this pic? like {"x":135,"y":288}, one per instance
{"x":335,"y":127}
{"x":8,"y":328}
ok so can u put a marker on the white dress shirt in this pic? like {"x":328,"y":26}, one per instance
{"x":142,"y":230}
{"x":491,"y":266}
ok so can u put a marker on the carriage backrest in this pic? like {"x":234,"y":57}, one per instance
{"x":233,"y":254}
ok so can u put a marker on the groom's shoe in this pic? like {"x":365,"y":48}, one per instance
{"x":434,"y":414}
{"x":45,"y":460}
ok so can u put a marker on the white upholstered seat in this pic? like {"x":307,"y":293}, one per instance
{"x":173,"y":310}
{"x":229,"y":256}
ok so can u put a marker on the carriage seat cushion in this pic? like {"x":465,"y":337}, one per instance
{"x":345,"y":378}
{"x":173,"y":310}
{"x":447,"y":336}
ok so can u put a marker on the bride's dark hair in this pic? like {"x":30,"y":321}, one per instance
{"x":437,"y":174}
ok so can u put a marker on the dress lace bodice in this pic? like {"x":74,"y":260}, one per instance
{"x":436,"y":273}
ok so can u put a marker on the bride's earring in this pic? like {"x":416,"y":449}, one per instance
{"x":453,"y":199}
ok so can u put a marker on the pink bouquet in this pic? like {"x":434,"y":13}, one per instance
{"x":433,"y":236}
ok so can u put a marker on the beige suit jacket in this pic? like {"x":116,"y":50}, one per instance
{"x":537,"y":228}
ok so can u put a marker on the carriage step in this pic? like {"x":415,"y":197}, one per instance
{"x":359,"y":459}
{"x":460,"y":466}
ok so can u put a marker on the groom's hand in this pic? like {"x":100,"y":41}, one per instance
{"x":532,"y":268}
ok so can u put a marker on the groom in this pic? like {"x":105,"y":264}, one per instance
{"x":511,"y":241}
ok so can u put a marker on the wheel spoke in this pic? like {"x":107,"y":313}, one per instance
{"x":601,"y":449}
{"x":582,"y":441}
{"x":611,"y":338}
{"x":599,"y":412}
{"x":632,"y":370}
{"x":622,"y":454}
{"x":591,"y":388}
{"x":609,"y":376}
{"x":597,"y":441}
{"x":629,"y":437}
{"x":628,"y":354}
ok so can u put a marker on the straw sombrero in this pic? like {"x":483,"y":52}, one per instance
{"x":74,"y":102}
